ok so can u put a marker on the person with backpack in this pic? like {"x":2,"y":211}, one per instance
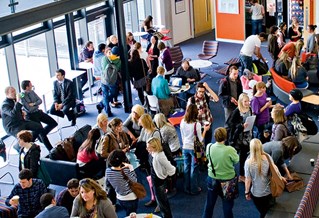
{"x":201,"y":99}
{"x":111,"y":65}
{"x":229,"y":90}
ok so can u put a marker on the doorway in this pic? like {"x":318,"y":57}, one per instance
{"x":202,"y":17}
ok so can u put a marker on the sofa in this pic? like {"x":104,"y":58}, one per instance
{"x":282,"y":87}
{"x":61,"y":171}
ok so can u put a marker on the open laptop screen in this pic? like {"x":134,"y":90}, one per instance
{"x":176,"y":81}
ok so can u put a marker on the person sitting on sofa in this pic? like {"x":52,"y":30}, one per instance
{"x":50,"y":209}
{"x":89,"y":162}
{"x":66,"y":197}
{"x":295,"y":97}
{"x":298,"y":74}
{"x":247,"y":78}
{"x":282,"y":65}
{"x":29,"y":155}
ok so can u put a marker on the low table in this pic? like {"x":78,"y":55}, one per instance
{"x":200,"y":64}
{"x":311,"y":99}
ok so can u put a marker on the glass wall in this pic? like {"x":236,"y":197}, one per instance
{"x":62,"y":47}
{"x":97,"y":32}
{"x":3,"y":74}
{"x":32,"y":61}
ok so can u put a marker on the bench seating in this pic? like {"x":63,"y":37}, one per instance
{"x":282,"y":87}
{"x":310,"y":198}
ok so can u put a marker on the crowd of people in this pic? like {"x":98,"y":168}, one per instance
{"x":104,"y":154}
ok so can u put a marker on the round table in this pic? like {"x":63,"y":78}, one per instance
{"x":200,"y":63}
{"x":139,"y":34}
{"x":142,"y":215}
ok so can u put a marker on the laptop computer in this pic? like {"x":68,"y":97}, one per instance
{"x":176,"y":81}
{"x":175,"y":84}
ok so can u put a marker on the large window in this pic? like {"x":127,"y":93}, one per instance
{"x":62,"y":47}
{"x":3,"y":74}
{"x":128,"y":16}
{"x":32,"y":62}
{"x":97,"y":33}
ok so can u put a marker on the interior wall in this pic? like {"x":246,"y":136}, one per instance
{"x":182,"y":23}
{"x":230,"y":27}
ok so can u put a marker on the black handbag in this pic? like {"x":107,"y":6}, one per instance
{"x":198,"y":147}
{"x":143,"y":82}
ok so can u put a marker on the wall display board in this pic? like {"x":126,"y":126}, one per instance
{"x":228,"y":6}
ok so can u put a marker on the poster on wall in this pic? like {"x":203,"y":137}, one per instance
{"x":179,"y":6}
{"x":228,"y":6}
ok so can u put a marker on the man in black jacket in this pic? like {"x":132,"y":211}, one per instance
{"x":229,"y":90}
{"x":13,"y":118}
{"x":63,"y":97}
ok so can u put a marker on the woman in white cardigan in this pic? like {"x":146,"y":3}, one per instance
{"x":161,"y":168}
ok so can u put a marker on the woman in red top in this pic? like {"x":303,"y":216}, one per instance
{"x":89,"y":163}
{"x":292,"y":49}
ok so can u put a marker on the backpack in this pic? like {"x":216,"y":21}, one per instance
{"x":260,"y":68}
{"x":110,"y":73}
{"x":303,"y":123}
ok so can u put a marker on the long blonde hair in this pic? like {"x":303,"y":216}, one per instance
{"x":160,"y":120}
{"x":298,"y":46}
{"x":294,"y":67}
{"x":147,"y":123}
{"x":284,"y":57}
{"x":256,"y":152}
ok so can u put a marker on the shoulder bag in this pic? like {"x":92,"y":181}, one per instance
{"x":136,"y":187}
{"x":198,"y":147}
{"x":277,"y":185}
{"x":143,"y":82}
{"x":229,"y":187}
{"x":295,"y":184}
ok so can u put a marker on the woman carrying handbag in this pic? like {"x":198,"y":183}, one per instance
{"x":257,"y":183}
{"x":221,"y":172}
{"x":139,"y":72}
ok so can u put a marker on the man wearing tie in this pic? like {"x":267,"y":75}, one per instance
{"x":63,"y":97}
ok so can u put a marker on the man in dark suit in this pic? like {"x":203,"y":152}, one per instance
{"x":63,"y":97}
{"x":13,"y":118}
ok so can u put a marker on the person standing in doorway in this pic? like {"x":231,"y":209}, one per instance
{"x":257,"y":14}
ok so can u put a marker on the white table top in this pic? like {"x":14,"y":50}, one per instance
{"x":200,"y":63}
{"x":143,"y":215}
{"x":184,"y":88}
{"x":86,"y":65}
{"x":140,"y":33}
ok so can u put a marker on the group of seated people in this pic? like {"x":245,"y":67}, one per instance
{"x":292,"y":60}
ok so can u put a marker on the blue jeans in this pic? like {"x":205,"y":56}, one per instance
{"x":213,"y":191}
{"x":109,"y":92}
{"x":129,"y":206}
{"x":191,"y":172}
{"x":246,"y":63}
{"x":257,"y":26}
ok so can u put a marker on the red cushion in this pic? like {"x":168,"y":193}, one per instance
{"x":281,"y":82}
